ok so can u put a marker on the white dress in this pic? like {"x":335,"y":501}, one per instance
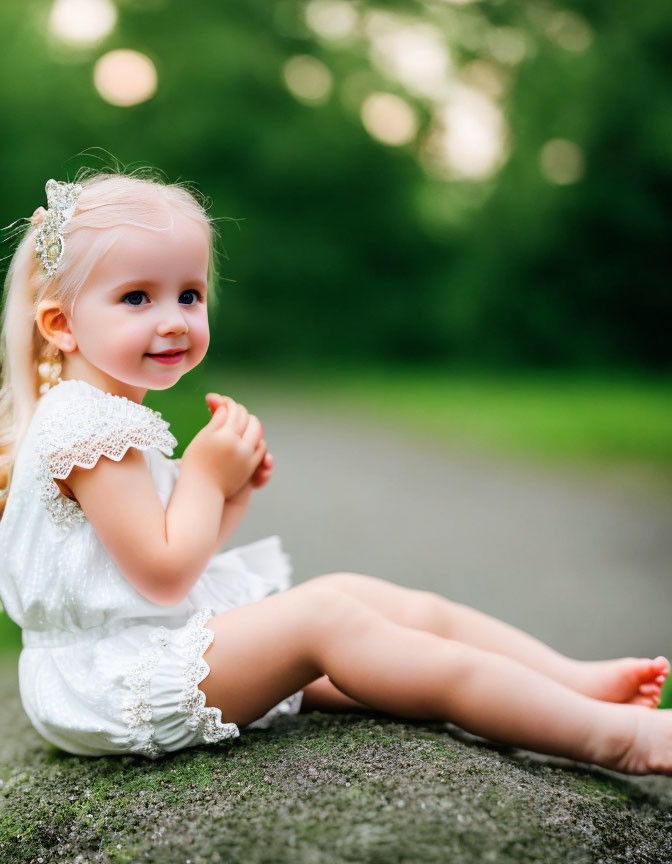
{"x":103,"y":669}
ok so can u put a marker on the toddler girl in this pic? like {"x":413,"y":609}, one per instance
{"x":141,"y":634}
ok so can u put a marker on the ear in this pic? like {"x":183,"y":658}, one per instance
{"x":53,"y":325}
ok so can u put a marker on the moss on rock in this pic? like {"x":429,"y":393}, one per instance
{"x":322,"y":788}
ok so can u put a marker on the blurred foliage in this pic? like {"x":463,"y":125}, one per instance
{"x":10,"y":635}
{"x":614,"y":424}
{"x":349,"y":247}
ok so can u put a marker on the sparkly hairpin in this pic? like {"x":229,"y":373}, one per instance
{"x":50,"y":243}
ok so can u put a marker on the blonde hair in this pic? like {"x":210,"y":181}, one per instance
{"x":110,"y":200}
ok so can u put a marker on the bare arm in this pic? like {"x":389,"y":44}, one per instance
{"x":232,"y":515}
{"x":234,"y":512}
{"x":162,"y":553}
{"x":193,"y":518}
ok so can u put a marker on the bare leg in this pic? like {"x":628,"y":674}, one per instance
{"x":265,"y":651}
{"x":635,"y":680}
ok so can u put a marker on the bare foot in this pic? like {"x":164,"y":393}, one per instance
{"x":648,"y":748}
{"x":630,"y":680}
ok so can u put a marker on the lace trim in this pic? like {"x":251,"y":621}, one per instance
{"x":137,"y":710}
{"x":78,"y":432}
{"x":206,"y":719}
{"x":191,"y":641}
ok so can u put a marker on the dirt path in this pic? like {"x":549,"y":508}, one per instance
{"x":582,"y":562}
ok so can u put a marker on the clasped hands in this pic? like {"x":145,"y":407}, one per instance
{"x":242,"y":420}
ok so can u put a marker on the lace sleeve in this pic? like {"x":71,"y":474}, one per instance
{"x":78,"y":432}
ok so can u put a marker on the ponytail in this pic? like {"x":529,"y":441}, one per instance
{"x":18,"y":393}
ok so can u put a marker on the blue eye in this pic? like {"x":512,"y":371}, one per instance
{"x":197,"y":295}
{"x":133,"y":294}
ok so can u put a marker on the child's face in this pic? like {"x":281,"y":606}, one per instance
{"x":118,"y":326}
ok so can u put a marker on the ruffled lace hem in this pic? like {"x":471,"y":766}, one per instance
{"x":190,"y":642}
{"x":205,"y":719}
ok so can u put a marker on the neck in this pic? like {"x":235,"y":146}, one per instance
{"x":75,"y":366}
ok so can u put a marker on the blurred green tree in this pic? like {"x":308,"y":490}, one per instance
{"x":477,"y":182}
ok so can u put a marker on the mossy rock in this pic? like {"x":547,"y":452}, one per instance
{"x":322,"y":788}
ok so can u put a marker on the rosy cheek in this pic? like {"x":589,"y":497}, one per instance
{"x":202,"y":330}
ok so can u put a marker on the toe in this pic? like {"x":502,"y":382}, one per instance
{"x":649,"y":689}
{"x":653,"y":670}
{"x":648,"y":668}
{"x":662,"y":665}
{"x":645,"y":701}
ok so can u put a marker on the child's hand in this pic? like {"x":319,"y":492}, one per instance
{"x":264,"y":470}
{"x":229,"y":448}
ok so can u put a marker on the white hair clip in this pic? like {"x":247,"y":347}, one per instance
{"x":50,"y":243}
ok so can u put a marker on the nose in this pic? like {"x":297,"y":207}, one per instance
{"x":172,"y":321}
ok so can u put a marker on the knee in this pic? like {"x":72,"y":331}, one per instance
{"x":339,"y":581}
{"x":354,"y":590}
{"x":327,"y":606}
{"x":429,"y":611}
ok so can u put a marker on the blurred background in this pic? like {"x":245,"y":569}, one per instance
{"x":444,"y":263}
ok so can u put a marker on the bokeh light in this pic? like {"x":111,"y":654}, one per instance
{"x":562,"y":161}
{"x":307,"y":79}
{"x":410,"y":52}
{"x":506,"y":44}
{"x":570,"y":30}
{"x":125,"y":77}
{"x":486,"y":77}
{"x":332,"y":19}
{"x":389,"y":119}
{"x":82,"y":22}
{"x":468,"y":137}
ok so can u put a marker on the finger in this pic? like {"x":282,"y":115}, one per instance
{"x":255,"y":479}
{"x":263,"y":479}
{"x":232,"y":421}
{"x":259,"y":453}
{"x":214,"y":401}
{"x":220,"y":416}
{"x":241,"y":419}
{"x":217,"y":402}
{"x":264,"y":467}
{"x":214,"y":405}
{"x":266,"y":463}
{"x":259,"y":477}
{"x":254,"y":432}
{"x":244,"y":419}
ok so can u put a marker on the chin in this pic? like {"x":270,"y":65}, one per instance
{"x":163,"y":385}
{"x":169,"y":379}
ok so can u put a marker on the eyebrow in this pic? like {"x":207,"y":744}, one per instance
{"x":150,"y":283}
